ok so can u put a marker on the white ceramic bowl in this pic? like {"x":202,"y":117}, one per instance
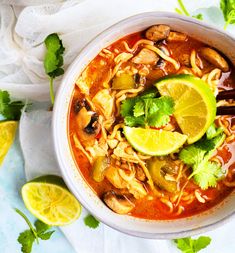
{"x":134,"y":226}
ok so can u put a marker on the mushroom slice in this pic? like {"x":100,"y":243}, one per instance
{"x":177,"y":36}
{"x":87,"y":125}
{"x":118,"y":203}
{"x":146,"y":56}
{"x":214,"y":58}
{"x":157,"y":32}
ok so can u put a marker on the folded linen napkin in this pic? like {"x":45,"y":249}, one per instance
{"x":21,"y":54}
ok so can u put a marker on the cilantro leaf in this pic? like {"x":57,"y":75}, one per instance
{"x":197,"y":155}
{"x":91,"y":221}
{"x":127,"y":107}
{"x":10,"y":110}
{"x":206,"y":174}
{"x":26,"y":239}
{"x":158,"y":119}
{"x":201,"y":243}
{"x":191,"y":155}
{"x":139,"y":108}
{"x":134,"y":121}
{"x":228,"y":9}
{"x":198,"y":16}
{"x":189,"y":245}
{"x":150,"y":93}
{"x":42,"y":229}
{"x":146,"y":110}
{"x":212,"y":131}
{"x":46,"y":236}
{"x":53,"y":60}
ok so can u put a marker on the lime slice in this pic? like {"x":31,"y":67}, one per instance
{"x":49,"y":199}
{"x":195,"y":104}
{"x":7,"y":135}
{"x":154,"y":142}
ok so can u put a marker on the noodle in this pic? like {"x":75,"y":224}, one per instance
{"x":195,"y":68}
{"x":167,"y":203}
{"x":164,"y":56}
{"x":132,"y":167}
{"x":134,"y":91}
{"x":139,"y":42}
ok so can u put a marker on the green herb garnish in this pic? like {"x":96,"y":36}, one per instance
{"x":182,"y":10}
{"x":11,"y":110}
{"x":53,"y":60}
{"x":205,"y":173}
{"x":28,"y":237}
{"x":147,"y":110}
{"x":91,"y":221}
{"x":189,"y":245}
{"x":198,"y":16}
{"x":228,"y":9}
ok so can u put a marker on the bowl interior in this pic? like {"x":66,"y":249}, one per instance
{"x":167,"y":229}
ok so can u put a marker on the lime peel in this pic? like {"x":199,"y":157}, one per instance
{"x":7,"y":136}
{"x":49,"y":200}
{"x":154,"y":142}
{"x":195,"y":104}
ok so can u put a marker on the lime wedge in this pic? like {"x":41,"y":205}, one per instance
{"x":195,"y":104}
{"x":7,"y":135}
{"x":49,"y":199}
{"x":154,"y":142}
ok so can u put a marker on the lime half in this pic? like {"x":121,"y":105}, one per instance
{"x":7,"y":135}
{"x":195,"y":104}
{"x":154,"y":142}
{"x":49,"y":199}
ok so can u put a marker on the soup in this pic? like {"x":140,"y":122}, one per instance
{"x":143,"y":130}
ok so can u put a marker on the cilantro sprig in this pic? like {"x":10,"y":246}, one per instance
{"x":91,"y":222}
{"x":147,"y":110}
{"x":36,"y":232}
{"x":182,"y":10}
{"x":228,"y":9}
{"x":205,"y":173}
{"x":53,"y":60}
{"x":189,"y":245}
{"x":11,"y":110}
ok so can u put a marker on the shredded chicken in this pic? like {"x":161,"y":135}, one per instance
{"x":134,"y":186}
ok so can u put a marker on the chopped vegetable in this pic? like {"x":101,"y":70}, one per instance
{"x":205,"y":173}
{"x":189,"y":245}
{"x":123,"y":82}
{"x":53,"y":60}
{"x":99,"y":166}
{"x":91,"y":221}
{"x":155,"y":167}
{"x":10,"y":110}
{"x":147,"y":110}
{"x":183,"y":10}
{"x":228,"y":9}
{"x":27,"y":238}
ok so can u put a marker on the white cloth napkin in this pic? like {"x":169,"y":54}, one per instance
{"x":22,"y":30}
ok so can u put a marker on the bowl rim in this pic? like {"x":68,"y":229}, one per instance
{"x":150,"y":235}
